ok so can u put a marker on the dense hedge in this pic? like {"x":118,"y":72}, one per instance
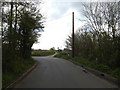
{"x":42,"y":52}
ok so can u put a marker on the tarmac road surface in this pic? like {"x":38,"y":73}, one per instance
{"x":59,"y":73}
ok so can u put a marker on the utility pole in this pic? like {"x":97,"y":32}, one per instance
{"x":72,"y":34}
{"x":119,"y":15}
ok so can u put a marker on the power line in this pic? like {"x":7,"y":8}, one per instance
{"x":63,"y":17}
{"x":58,"y":18}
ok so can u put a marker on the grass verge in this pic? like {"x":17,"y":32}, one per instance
{"x":100,"y":67}
{"x":20,"y":67}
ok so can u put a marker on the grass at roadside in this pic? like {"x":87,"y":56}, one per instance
{"x":100,"y":67}
{"x":42,"y":52}
{"x":19,"y":68}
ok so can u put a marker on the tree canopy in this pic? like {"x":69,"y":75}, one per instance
{"x":22,"y":22}
{"x":100,"y":37}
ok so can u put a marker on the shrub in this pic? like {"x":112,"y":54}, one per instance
{"x":103,"y":68}
{"x":116,"y":73}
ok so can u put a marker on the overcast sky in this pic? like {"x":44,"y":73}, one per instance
{"x":58,"y":23}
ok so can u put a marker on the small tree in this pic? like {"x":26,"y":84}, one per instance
{"x":53,"y":48}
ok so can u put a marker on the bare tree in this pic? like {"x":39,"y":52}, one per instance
{"x":102,"y":17}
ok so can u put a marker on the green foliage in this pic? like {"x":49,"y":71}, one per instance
{"x":21,"y":23}
{"x":42,"y":52}
{"x":63,"y":55}
{"x":84,"y":61}
{"x":100,"y":67}
{"x":101,"y":48}
{"x":103,"y":68}
{"x":7,"y":78}
{"x":116,"y":73}
{"x":20,"y":66}
{"x":94,"y":41}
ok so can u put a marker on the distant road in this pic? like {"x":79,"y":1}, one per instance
{"x":59,"y":73}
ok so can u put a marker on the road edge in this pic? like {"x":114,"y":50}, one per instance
{"x":12,"y":85}
{"x":97,"y":73}
{"x":100,"y":74}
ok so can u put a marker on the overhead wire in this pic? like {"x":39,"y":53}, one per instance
{"x":59,"y":18}
{"x":68,"y":14}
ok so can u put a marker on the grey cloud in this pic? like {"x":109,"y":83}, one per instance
{"x":60,"y":8}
